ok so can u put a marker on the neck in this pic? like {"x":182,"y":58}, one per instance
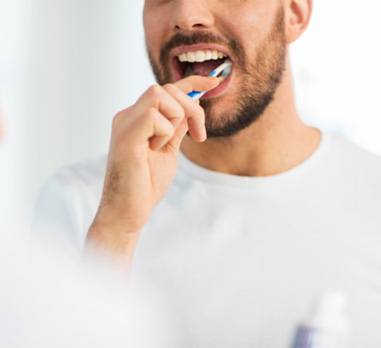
{"x":275,"y":143}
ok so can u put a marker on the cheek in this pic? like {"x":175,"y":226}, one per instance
{"x":152,"y":30}
{"x":253,"y":24}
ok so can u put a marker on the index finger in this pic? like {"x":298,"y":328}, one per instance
{"x":197,"y":83}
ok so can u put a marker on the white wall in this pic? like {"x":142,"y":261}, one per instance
{"x":68,"y":66}
{"x":83,"y":70}
{"x":13,"y":40}
{"x":338,"y":71}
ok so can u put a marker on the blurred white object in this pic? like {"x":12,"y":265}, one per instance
{"x":326,"y":326}
{"x":47,"y":300}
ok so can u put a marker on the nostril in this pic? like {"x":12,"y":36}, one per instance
{"x":197,"y":26}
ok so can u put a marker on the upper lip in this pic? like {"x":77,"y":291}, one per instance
{"x":199,"y":47}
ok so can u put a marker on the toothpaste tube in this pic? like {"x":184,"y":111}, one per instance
{"x":326,"y":327}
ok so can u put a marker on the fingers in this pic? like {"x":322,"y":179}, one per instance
{"x":147,"y":115}
{"x":163,"y":115}
{"x":193,"y":112}
{"x":158,"y":98}
{"x":135,"y":129}
{"x":179,"y":135}
{"x":163,"y":130}
{"x":197,"y":83}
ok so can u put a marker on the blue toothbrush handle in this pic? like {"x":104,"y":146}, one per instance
{"x":194,"y":94}
{"x":198,"y":94}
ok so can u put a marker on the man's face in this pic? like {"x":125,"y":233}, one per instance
{"x":251,"y":33}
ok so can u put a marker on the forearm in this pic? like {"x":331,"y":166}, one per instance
{"x":116,"y":242}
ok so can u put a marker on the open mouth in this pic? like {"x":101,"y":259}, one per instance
{"x":196,"y":62}
{"x":200,"y":62}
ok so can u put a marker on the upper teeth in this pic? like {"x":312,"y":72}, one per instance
{"x":200,"y":56}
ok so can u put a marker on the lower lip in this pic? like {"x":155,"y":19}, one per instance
{"x":220,"y":89}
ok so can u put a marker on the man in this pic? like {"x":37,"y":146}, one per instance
{"x":236,"y":210}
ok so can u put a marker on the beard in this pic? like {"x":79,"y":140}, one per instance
{"x":260,"y":78}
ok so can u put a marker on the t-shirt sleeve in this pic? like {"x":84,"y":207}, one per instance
{"x":59,"y":216}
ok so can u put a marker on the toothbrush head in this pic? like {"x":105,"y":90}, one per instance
{"x":226,"y":72}
{"x":223,"y":70}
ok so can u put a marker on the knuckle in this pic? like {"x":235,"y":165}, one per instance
{"x":152,"y":116}
{"x":197,"y":111}
{"x":169,"y":86}
{"x":154,"y":91}
{"x":180,"y":112}
{"x":175,"y":96}
{"x":120,"y":117}
{"x":151,"y":113}
{"x":117,"y":119}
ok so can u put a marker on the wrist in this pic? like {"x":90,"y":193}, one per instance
{"x":114,"y":239}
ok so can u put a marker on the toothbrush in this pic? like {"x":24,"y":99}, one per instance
{"x":223,"y":70}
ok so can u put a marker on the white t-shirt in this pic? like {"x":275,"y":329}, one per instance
{"x":238,"y":261}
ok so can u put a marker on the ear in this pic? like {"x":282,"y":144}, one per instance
{"x":297,"y":17}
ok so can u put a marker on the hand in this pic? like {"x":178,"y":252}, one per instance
{"x":142,"y":158}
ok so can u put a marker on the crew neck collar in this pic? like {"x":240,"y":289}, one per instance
{"x":217,"y":178}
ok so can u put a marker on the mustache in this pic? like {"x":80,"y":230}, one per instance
{"x":197,"y":38}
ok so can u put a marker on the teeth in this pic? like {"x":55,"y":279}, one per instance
{"x":200,"y":56}
{"x":191,"y":57}
{"x":215,"y":55}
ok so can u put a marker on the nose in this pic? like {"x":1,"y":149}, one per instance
{"x":191,"y":14}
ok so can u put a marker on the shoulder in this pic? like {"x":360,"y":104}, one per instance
{"x":87,"y":174}
{"x":353,"y":158}
{"x":69,"y":199}
{"x":354,"y":174}
{"x":75,"y":187}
